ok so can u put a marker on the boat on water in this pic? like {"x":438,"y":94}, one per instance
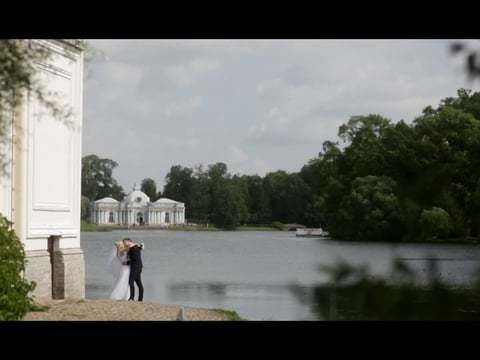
{"x":306,"y":232}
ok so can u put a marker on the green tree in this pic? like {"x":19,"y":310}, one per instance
{"x":179,"y":185}
{"x":229,"y":208}
{"x":435,"y":223}
{"x":149,"y":187}
{"x":257,"y":200}
{"x":289,"y":196}
{"x":97,"y":179}
{"x":370,"y":212}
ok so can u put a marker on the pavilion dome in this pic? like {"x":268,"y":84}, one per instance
{"x":106,"y":200}
{"x":137,"y":197}
{"x":167,"y":201}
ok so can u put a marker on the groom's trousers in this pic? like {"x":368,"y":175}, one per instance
{"x":135,"y":277}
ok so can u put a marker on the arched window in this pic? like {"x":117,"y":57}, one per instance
{"x":111,"y":220}
{"x":167,"y":217}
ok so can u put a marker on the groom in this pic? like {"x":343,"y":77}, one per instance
{"x":135,"y":262}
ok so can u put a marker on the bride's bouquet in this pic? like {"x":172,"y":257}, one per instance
{"x":142,"y":246}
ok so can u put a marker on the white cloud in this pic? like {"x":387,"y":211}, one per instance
{"x":188,"y":73}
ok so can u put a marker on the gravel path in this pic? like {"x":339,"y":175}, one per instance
{"x":109,"y":310}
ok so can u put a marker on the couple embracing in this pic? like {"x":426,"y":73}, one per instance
{"x":125,"y":264}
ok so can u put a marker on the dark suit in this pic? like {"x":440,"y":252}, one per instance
{"x":136,"y":265}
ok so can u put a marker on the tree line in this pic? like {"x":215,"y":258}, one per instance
{"x":379,"y":181}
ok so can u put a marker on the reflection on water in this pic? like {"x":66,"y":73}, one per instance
{"x":261,"y":275}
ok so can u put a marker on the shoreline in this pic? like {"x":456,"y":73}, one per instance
{"x":120,"y":310}
{"x":88,"y":227}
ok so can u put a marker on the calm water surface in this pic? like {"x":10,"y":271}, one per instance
{"x":253,"y":272}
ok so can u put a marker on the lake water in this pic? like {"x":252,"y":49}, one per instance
{"x":253,"y":272}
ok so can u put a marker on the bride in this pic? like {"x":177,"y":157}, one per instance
{"x":120,"y":272}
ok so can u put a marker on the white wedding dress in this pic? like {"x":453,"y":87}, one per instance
{"x":121,"y":273}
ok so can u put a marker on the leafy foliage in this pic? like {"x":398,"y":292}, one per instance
{"x":390,"y":179}
{"x":97,"y":179}
{"x":435,"y":223}
{"x":149,"y":187}
{"x":14,"y":289}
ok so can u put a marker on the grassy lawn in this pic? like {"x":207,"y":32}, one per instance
{"x":86,"y":226}
{"x":256,"y":228}
{"x":229,"y":314}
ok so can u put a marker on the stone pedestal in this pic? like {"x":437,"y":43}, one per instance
{"x":39,"y":269}
{"x":68,"y":278}
{"x":68,"y":274}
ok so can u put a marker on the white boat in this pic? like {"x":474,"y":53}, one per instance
{"x":311,"y":232}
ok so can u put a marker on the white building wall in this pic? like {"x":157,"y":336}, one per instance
{"x":43,"y":192}
{"x":52,"y":157}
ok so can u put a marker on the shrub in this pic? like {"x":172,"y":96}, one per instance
{"x":435,"y":223}
{"x":14,"y":289}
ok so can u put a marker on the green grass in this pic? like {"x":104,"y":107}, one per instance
{"x":86,"y":226}
{"x":192,"y":228}
{"x":256,"y":228}
{"x":231,"y":315}
{"x":38,"y":308}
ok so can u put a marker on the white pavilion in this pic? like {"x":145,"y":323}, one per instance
{"x":136,"y":209}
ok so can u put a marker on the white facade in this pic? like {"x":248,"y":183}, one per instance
{"x":137,"y":210}
{"x":40,"y":192}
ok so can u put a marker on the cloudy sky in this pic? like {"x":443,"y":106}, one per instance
{"x":256,"y":105}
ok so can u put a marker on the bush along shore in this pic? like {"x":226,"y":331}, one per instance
{"x":114,"y":310}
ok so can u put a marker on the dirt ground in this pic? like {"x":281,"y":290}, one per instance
{"x":112,"y":310}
